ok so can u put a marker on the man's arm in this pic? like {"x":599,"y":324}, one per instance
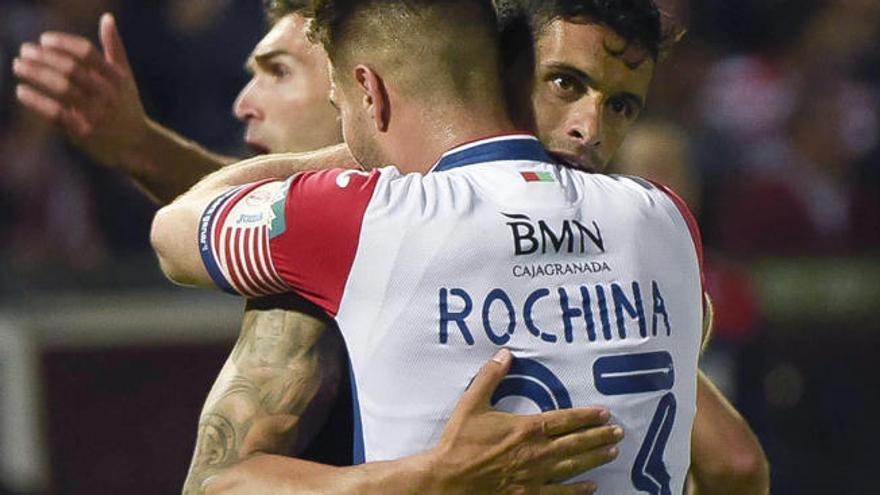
{"x":285,"y":360}
{"x":93,"y":97}
{"x":182,"y":261}
{"x":281,"y":375}
{"x":727,"y":458}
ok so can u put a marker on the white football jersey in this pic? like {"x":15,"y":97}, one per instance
{"x":592,"y":281}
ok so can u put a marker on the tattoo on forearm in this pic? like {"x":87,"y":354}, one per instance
{"x":240,"y":385}
{"x":284,"y":361}
{"x":217,"y":435}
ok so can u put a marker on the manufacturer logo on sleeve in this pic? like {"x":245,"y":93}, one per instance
{"x":344,"y":178}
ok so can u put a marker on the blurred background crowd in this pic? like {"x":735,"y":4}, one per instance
{"x":765,"y":118}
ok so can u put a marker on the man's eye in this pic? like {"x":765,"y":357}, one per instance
{"x":279,"y":71}
{"x":565,"y":85}
{"x":622,"y":107}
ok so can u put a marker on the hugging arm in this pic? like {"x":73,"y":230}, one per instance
{"x":482,"y":451}
{"x":727,"y":458}
{"x":182,"y":261}
{"x":287,"y":359}
{"x":280,"y":378}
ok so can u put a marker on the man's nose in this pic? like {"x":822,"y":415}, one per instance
{"x":585,"y":122}
{"x":246,"y":107}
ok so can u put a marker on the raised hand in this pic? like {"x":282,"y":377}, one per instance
{"x":91,"y":94}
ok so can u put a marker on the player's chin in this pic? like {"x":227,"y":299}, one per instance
{"x":256,"y":145}
{"x":258,"y":149}
{"x":578,"y":162}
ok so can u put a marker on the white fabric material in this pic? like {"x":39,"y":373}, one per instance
{"x":424,"y":236}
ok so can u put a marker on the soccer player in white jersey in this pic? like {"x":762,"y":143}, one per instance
{"x":594,"y":281}
{"x":263,"y":105}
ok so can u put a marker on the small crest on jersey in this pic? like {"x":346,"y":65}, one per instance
{"x":254,"y":210}
{"x":259,"y":196}
{"x":537,"y":176}
{"x":278,"y":224}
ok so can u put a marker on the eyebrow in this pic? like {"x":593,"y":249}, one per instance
{"x":262,"y":58}
{"x":590,"y":81}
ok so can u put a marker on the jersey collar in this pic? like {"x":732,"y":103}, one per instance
{"x":517,"y":146}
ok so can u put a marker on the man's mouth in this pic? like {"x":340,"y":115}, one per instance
{"x":574,"y":161}
{"x":257,"y":147}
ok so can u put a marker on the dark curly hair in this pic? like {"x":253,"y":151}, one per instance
{"x":636,"y":21}
{"x":276,"y":9}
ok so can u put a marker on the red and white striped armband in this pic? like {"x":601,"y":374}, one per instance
{"x":234,"y":234}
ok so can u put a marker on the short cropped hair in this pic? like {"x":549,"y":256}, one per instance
{"x":336,"y":20}
{"x":638,"y":22}
{"x":277,"y":9}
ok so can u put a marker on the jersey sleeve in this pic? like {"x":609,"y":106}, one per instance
{"x":691,"y":222}
{"x":276,"y":236}
{"x":694,"y":230}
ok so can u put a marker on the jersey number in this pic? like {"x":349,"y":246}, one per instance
{"x":638,"y":373}
{"x":613,"y":375}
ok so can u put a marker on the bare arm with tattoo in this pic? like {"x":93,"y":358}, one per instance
{"x":284,"y":363}
{"x":481,"y":451}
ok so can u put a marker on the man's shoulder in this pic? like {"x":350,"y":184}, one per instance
{"x":334,"y":178}
{"x":330,"y":188}
{"x":645,"y":192}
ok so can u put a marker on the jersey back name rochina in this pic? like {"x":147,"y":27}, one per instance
{"x":592,"y":281}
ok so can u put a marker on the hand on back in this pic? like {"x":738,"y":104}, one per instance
{"x":483,"y":450}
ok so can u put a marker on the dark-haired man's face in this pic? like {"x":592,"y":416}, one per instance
{"x":588,"y":88}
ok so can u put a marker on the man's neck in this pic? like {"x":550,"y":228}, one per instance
{"x":417,"y":147}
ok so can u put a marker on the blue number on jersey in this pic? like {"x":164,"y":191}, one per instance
{"x":534,"y":381}
{"x":613,"y":375}
{"x":639,"y":373}
{"x":649,"y":474}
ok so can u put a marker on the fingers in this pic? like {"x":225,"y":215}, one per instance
{"x":65,"y":81}
{"x":42,"y":71}
{"x":575,"y":465}
{"x":54,"y":69}
{"x":36,"y":101}
{"x":585,"y":440}
{"x":62,"y":64}
{"x":81,"y":50}
{"x":581,"y":488}
{"x":52,"y":110}
{"x":54,"y":96}
{"x":111,"y":42}
{"x":479,"y":393}
{"x":572,"y":454}
{"x":78,"y":47}
{"x":563,"y":421}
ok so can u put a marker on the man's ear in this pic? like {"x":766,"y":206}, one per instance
{"x":375,"y":96}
